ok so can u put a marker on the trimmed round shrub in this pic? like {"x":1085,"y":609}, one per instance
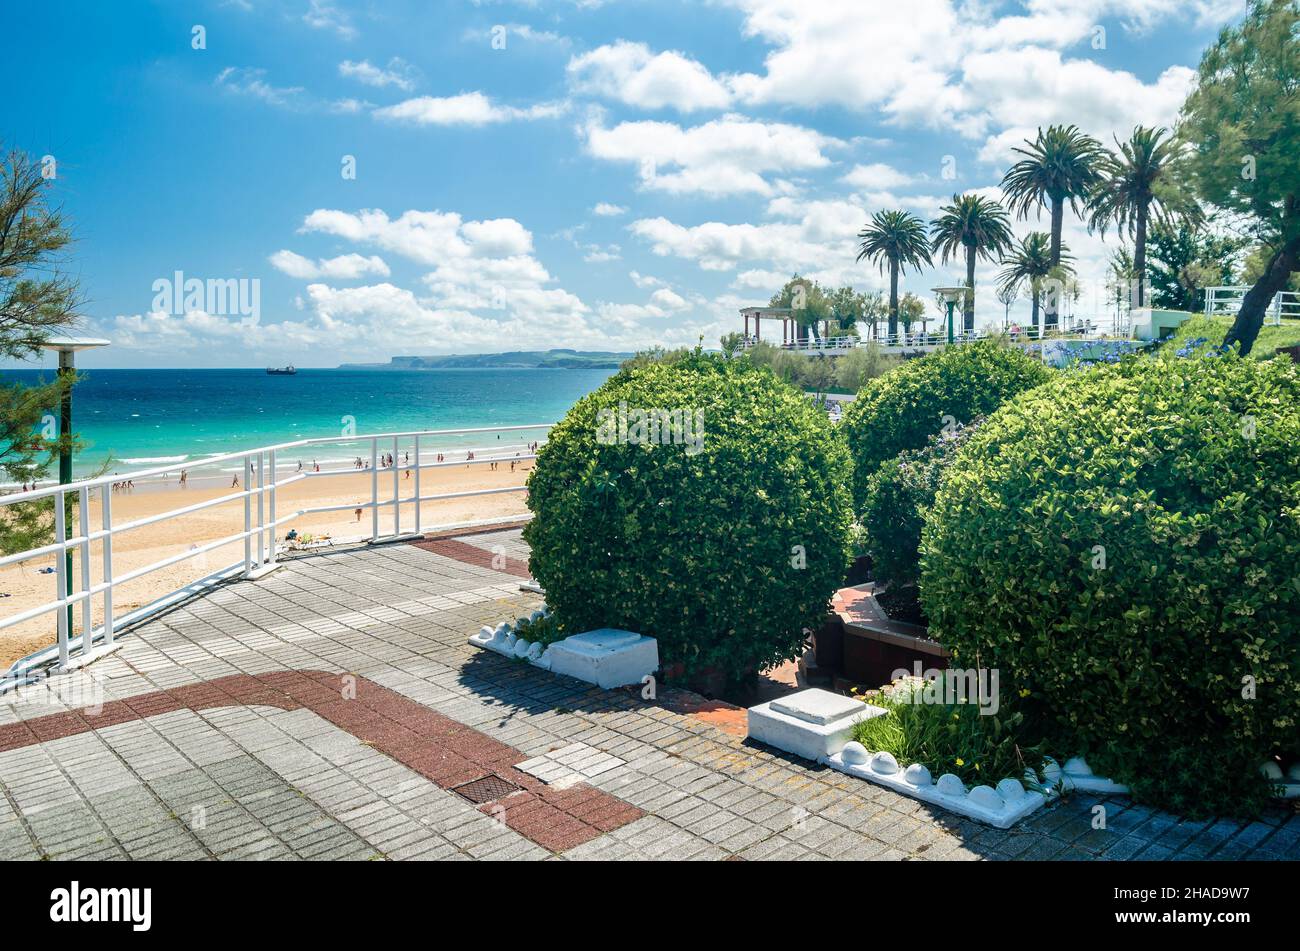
{"x":1123,"y":544}
{"x":725,"y":548}
{"x":904,"y":408}
{"x":899,"y":494}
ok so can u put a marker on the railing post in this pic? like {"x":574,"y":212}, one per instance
{"x":397,"y":493}
{"x":417,"y":485}
{"x":61,"y":577}
{"x":374,"y":488}
{"x":107,"y":510}
{"x":248,"y":516}
{"x":83,"y":523}
{"x":271,"y":540}
{"x":261,"y":509}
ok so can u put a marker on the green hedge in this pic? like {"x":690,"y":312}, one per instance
{"x":1124,"y":544}
{"x":697,"y":549}
{"x":899,"y":494}
{"x":907,"y":406}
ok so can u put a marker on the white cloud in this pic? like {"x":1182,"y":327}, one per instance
{"x":424,"y":236}
{"x":644,"y":280}
{"x":716,"y":246}
{"x":668,"y":299}
{"x":498,"y":237}
{"x":727,"y":156}
{"x":398,"y":73}
{"x":629,"y":73}
{"x":943,"y":65}
{"x":251,"y":82}
{"x":1022,"y":90}
{"x":247,"y":81}
{"x":345,"y":267}
{"x":516,"y":31}
{"x":324,"y":15}
{"x":607,"y":210}
{"x":596,"y":254}
{"x":471,"y":108}
{"x":876,"y":177}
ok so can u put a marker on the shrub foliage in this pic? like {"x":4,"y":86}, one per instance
{"x":725,"y":554}
{"x":904,"y":408}
{"x":899,"y":494}
{"x":1123,"y":543}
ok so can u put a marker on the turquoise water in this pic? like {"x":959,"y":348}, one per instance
{"x":140,"y":419}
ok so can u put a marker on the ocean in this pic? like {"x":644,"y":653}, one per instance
{"x":142,"y":419}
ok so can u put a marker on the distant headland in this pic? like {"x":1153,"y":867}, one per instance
{"x":547,"y":359}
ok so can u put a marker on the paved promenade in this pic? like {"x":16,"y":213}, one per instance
{"x":333,"y":710}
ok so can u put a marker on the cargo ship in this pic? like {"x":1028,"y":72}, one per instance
{"x":281,"y":371}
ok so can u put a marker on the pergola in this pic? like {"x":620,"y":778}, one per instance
{"x":789,"y":325}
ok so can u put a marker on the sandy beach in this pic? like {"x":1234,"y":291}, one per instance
{"x":26,"y":587}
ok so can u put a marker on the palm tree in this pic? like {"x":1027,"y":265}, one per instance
{"x":1119,"y":278}
{"x":894,"y":239}
{"x":1006,"y":297}
{"x":1031,"y":262}
{"x":1136,"y":183}
{"x":1059,"y":166}
{"x":978,"y":226}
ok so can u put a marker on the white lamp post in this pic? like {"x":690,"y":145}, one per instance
{"x":950,"y":297}
{"x":67,"y":348}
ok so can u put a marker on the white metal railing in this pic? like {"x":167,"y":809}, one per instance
{"x":1067,"y":326}
{"x":1227,"y":300}
{"x":258,"y":490}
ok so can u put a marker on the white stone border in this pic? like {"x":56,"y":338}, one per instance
{"x":503,"y":640}
{"x":1001,"y":807}
{"x":1076,"y":775}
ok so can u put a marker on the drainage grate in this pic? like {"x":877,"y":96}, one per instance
{"x":486,"y":789}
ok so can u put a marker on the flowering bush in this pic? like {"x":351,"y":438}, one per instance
{"x":947,"y":737}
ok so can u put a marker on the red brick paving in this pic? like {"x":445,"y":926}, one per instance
{"x":443,"y":750}
{"x":727,"y":717}
{"x":473,"y":555}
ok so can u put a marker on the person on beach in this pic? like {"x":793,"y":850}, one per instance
{"x":358,"y":514}
{"x":234,"y":483}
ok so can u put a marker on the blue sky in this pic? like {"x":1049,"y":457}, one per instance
{"x":597,"y":175}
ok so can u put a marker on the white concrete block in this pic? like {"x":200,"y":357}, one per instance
{"x":812,"y":723}
{"x":817,"y":706}
{"x":605,"y":657}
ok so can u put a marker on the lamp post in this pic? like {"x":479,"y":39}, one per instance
{"x":950,"y":297}
{"x":67,"y":348}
